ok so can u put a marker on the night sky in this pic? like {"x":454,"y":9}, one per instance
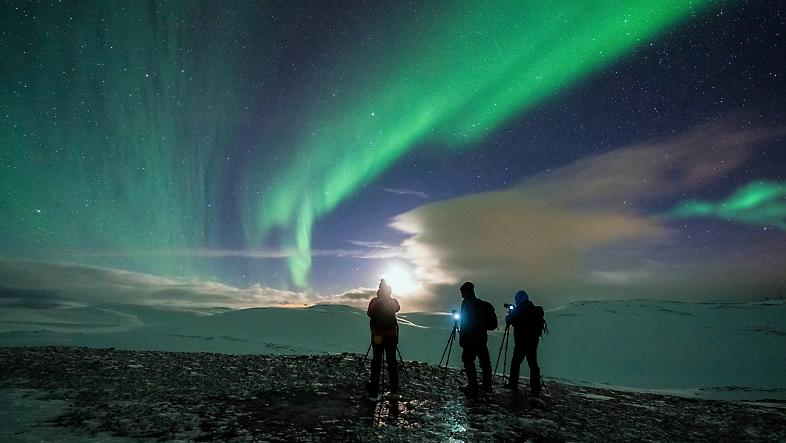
{"x":254,"y":153}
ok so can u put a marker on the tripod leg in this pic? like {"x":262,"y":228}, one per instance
{"x":400,"y":360}
{"x":444,"y":351}
{"x":499,"y":353}
{"x":382,"y":376}
{"x":365,"y":357}
{"x":362,"y":363}
{"x":450,"y":342}
{"x":505,"y":360}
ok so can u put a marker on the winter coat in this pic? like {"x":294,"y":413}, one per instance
{"x":521,"y":318}
{"x":472,"y":331}
{"x":382,"y":313}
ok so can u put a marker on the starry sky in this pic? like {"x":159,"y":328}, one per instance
{"x":257,"y":153}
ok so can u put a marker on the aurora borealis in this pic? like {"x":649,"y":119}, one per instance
{"x":448,"y":88}
{"x":272,"y":144}
{"x":761,"y":204}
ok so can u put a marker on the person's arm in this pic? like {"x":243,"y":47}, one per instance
{"x":512,"y":315}
{"x":463,"y":315}
{"x":396,"y":306}
{"x":371,"y":306}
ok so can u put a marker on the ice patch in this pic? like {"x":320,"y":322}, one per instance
{"x":25,"y":417}
{"x":593,"y":396}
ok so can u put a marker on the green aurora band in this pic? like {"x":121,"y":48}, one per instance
{"x":117,"y":134}
{"x":758,"y":203}
{"x":114,"y":130}
{"x":452,"y":81}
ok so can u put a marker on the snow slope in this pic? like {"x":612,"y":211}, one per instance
{"x":713,"y":350}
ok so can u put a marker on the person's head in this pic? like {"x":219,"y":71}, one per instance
{"x":384,"y":289}
{"x":467,"y":289}
{"x":521,"y":297}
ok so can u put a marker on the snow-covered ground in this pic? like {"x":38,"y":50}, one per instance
{"x":83,"y":394}
{"x":708,"y":350}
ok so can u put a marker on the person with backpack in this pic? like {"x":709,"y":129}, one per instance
{"x":384,"y":337}
{"x":528,"y":324}
{"x":477,"y":317}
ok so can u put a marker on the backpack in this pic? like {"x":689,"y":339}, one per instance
{"x":488,"y":316}
{"x":537,"y":321}
{"x":382,"y":317}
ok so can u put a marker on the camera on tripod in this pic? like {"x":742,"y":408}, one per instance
{"x":449,"y":345}
{"x":510,"y":307}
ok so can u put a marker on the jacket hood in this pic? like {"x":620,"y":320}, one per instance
{"x":521,"y":297}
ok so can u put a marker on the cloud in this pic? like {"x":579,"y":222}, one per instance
{"x":367,"y":250}
{"x":583,"y":231}
{"x":34,"y":284}
{"x":31,"y":283}
{"x":406,"y":192}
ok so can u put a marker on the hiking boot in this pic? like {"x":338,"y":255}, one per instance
{"x":511,"y":386}
{"x":535,"y":388}
{"x":372,"y":390}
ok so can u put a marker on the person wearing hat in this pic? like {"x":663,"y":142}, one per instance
{"x":527,"y":322}
{"x":473,"y":339}
{"x":384,"y":337}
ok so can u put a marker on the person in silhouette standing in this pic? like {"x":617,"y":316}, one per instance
{"x":384,"y":337}
{"x":473,"y":339}
{"x":527,"y":321}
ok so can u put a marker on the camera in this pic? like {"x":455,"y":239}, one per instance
{"x":456,"y":316}
{"x":510,"y":307}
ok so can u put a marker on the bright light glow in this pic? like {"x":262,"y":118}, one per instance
{"x":456,"y":316}
{"x":400,"y":280}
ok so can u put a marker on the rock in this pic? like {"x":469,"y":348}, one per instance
{"x":156,"y":395}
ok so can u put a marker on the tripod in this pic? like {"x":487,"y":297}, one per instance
{"x":362,"y":364}
{"x":451,"y":339}
{"x":505,"y":340}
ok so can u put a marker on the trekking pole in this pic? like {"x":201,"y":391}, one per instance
{"x":499,"y":353}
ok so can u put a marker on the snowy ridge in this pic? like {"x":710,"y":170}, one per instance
{"x":707,"y":350}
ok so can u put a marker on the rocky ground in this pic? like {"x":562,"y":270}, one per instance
{"x":206,"y":397}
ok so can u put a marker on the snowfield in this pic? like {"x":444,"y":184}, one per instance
{"x":114,"y":372}
{"x":705,"y":350}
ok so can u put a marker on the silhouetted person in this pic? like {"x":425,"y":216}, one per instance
{"x":384,"y":337}
{"x":473,"y":338}
{"x":527,"y":322}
